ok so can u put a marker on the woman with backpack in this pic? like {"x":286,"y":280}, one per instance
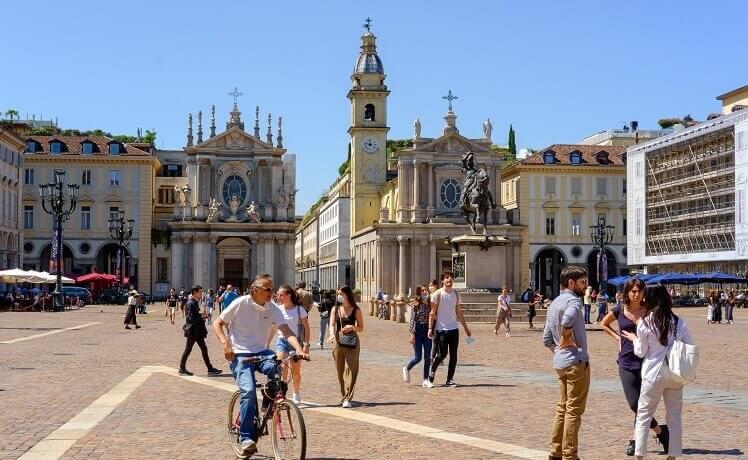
{"x":629,"y":365}
{"x":298,"y":321}
{"x":655,"y":334}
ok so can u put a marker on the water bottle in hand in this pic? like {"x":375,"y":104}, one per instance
{"x":469,"y":340}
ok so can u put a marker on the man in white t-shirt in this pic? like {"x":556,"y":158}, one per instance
{"x":444,"y":319}
{"x":251,"y":319}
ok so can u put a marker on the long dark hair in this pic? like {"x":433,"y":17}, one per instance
{"x":630,"y":284}
{"x":657,"y":301}
{"x":291,"y":293}
{"x":348,"y":293}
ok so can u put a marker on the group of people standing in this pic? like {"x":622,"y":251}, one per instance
{"x":719,"y":301}
{"x":647,"y":327}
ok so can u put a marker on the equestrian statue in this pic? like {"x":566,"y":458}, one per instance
{"x":476,"y":197}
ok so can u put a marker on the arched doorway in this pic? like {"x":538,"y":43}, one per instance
{"x":233,"y":262}
{"x":67,"y":259}
{"x":592,"y":269}
{"x":548,"y":265}
{"x":107,"y":262}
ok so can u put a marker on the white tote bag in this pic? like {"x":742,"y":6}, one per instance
{"x":683,"y":358}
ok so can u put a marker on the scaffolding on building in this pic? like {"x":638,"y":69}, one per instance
{"x":691,"y":196}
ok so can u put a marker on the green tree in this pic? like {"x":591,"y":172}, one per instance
{"x":512,"y":143}
{"x":11,"y":113}
{"x":393,"y":145}
{"x":150,"y":136}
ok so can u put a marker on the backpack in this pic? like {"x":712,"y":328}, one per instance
{"x":682,"y":358}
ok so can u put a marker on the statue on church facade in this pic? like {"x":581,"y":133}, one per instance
{"x":234,"y":208}
{"x":252,"y":213}
{"x":417,"y":129}
{"x":282,"y":197}
{"x":213,"y":211}
{"x":487,"y":128}
{"x":476,"y":197}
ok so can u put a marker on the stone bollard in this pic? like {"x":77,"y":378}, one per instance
{"x":393,"y":310}
{"x":400,"y":317}
{"x":372,"y":307}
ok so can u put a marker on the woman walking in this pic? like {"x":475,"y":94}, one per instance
{"x":629,"y":365}
{"x":347,"y":322}
{"x":325,"y":305}
{"x":132,"y":305}
{"x":729,"y":305}
{"x":534,"y":303}
{"x":298,"y":321}
{"x":503,"y":313}
{"x":710,"y":307}
{"x":209,"y":300}
{"x":419,"y":334}
{"x":655,"y":333}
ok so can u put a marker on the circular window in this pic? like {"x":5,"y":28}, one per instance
{"x":28,"y":247}
{"x":234,"y":186}
{"x":450,"y":193}
{"x":85,"y":248}
{"x":624,"y":252}
{"x":576,"y":251}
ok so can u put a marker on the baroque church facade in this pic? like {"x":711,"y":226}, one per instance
{"x":404,"y":209}
{"x":233,"y":213}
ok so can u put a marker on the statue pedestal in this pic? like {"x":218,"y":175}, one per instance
{"x":479,"y":262}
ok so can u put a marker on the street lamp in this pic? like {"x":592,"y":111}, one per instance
{"x":121,"y":231}
{"x":602,"y":235}
{"x":55,"y":204}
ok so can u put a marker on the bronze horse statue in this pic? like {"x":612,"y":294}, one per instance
{"x":476,"y":198}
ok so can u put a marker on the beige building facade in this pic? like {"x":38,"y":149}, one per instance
{"x":114,"y":178}
{"x":11,"y":164}
{"x":556,"y":194}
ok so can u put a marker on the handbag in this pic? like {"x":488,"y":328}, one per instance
{"x":301,"y":325}
{"x":682,"y":359}
{"x":346,"y":340}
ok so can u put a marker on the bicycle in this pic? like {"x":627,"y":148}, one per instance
{"x":287,"y":428}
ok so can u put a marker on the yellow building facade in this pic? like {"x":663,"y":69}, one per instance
{"x":556,"y":194}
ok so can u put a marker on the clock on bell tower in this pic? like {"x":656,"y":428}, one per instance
{"x":368,"y":131}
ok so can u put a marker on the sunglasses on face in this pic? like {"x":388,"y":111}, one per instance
{"x":266,"y":289}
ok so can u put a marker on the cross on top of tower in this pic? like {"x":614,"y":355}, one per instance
{"x":450,"y":98}
{"x":236,"y":94}
{"x":367,"y":24}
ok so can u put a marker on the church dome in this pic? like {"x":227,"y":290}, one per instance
{"x":368,"y":59}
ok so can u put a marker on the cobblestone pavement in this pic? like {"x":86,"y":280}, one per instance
{"x":506,"y":395}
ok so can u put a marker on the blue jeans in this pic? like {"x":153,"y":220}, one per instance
{"x":244,"y":374}
{"x":587,"y":309}
{"x":324,"y":322}
{"x":421,"y":349}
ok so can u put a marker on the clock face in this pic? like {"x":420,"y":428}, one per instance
{"x":370,"y":144}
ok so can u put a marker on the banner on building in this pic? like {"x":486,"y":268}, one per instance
{"x":602,"y":266}
{"x":55,"y":249}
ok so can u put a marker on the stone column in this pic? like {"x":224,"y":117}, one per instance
{"x":379,"y":259}
{"x":432,"y":258}
{"x":416,"y":213}
{"x":212,"y":262}
{"x":431,"y":205}
{"x":402,"y":199}
{"x":270,"y":256}
{"x":201,"y":261}
{"x":415,"y":267}
{"x":254,"y":248}
{"x":177,"y":261}
{"x":402,"y":266}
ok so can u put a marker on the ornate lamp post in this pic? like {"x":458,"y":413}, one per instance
{"x":121,"y":231}
{"x":602,"y":235}
{"x":54,"y":203}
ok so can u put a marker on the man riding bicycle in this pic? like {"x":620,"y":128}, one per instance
{"x":251,"y":318}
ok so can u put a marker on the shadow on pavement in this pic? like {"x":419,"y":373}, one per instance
{"x":712,"y":452}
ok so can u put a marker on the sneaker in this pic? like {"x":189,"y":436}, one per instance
{"x":346,"y":404}
{"x":137,"y":327}
{"x":406,"y":375}
{"x":296,"y":398}
{"x":185,"y":372}
{"x":508,"y":334}
{"x":214,"y":371}
{"x":249,"y":447}
{"x":428,"y":384}
{"x":127,"y":327}
{"x":630,"y":448}
{"x":451,"y":383}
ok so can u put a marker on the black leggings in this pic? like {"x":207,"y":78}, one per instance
{"x":130,"y":317}
{"x":445,"y":341}
{"x":632,"y":386}
{"x":188,"y":349}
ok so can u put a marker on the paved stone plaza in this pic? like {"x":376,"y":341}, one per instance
{"x":77,"y":384}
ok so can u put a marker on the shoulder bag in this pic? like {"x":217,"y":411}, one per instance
{"x":682,"y":358}
{"x":346,"y":340}
{"x":301,"y":325}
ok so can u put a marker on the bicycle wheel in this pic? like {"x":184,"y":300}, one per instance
{"x":234,"y":420}
{"x":288,"y":432}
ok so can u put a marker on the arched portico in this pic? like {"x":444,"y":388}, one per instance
{"x":548,"y":265}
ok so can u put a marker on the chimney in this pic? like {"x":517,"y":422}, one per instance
{"x":634,"y":125}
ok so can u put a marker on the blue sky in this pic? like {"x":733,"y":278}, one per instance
{"x":558,"y":71}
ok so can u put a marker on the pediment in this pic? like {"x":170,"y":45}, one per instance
{"x":448,"y":167}
{"x":86,"y":199}
{"x":232,"y":139}
{"x":550,"y":205}
{"x":602,"y":205}
{"x":27,"y":197}
{"x":113,"y":198}
{"x":452,"y":144}
{"x":576,"y":205}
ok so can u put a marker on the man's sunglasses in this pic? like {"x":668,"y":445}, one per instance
{"x":266,"y":289}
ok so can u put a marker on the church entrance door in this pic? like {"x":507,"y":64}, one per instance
{"x":233,"y":269}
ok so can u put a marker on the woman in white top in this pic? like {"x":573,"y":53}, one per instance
{"x":297,"y":319}
{"x":655,"y":333}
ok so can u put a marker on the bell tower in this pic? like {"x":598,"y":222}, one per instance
{"x":368,"y":131}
